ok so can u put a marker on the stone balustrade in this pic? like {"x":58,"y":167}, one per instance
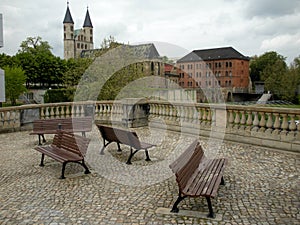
{"x":266,"y":126}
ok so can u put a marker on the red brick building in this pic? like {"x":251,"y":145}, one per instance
{"x":212,"y":68}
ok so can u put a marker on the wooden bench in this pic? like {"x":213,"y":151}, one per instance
{"x":66,"y":147}
{"x":50,"y":126}
{"x":120,"y":136}
{"x":197,"y":175}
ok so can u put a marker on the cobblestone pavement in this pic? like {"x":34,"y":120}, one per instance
{"x":262,"y":186}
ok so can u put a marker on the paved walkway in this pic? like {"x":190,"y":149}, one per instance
{"x":262,"y":186}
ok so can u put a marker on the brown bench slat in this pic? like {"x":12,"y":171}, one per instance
{"x":183,"y":158}
{"x":197,"y":175}
{"x":72,"y":124}
{"x":120,"y":136}
{"x":66,"y":147}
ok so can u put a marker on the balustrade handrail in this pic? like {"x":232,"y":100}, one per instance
{"x":273,"y":123}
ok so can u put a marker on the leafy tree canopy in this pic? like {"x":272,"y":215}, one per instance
{"x":259,"y":63}
{"x":14,"y":83}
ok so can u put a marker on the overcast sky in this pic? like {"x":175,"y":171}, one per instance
{"x":252,"y":27}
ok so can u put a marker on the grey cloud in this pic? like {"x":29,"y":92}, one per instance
{"x":271,"y":8}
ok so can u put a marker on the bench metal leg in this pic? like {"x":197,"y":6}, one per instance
{"x":87,"y":171}
{"x":42,"y":160}
{"x":63,"y":170}
{"x":179,"y":199}
{"x":44,"y":140}
{"x":222,"y":181}
{"x":132,"y":153}
{"x":211,"y":212}
{"x":147,"y":155}
{"x":119,"y":148}
{"x":83,"y":133}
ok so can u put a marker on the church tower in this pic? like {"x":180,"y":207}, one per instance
{"x":69,"y":41}
{"x":75,"y":41}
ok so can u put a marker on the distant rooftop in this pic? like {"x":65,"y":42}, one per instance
{"x":213,"y":54}
{"x":143,"y":51}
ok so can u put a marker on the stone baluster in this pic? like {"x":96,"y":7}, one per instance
{"x":249,"y":122}
{"x":1,"y":119}
{"x":292,"y":125}
{"x":47,"y":112}
{"x":255,"y":121}
{"x":277,"y":124}
{"x":284,"y":124}
{"x":262,"y":122}
{"x":269,"y":122}
{"x":243,"y":120}
{"x":237,"y":118}
{"x":12,"y":119}
{"x":42,"y":112}
{"x":209,"y":116}
{"x":6,"y":122}
{"x":52,"y":112}
{"x":230,"y":119}
{"x":81,"y":112}
{"x":68,"y":111}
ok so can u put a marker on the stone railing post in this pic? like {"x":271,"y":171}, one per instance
{"x":135,"y":112}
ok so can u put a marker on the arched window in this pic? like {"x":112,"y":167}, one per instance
{"x":152,"y":68}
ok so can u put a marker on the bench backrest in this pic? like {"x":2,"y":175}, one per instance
{"x":187,"y":163}
{"x":73,"y":124}
{"x":127,"y":137}
{"x":184,"y":157}
{"x":71,"y":142}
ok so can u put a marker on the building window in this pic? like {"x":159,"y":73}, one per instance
{"x":65,"y":36}
{"x":64,"y":28}
{"x":91,"y":32}
{"x":220,"y":65}
{"x":230,"y":73}
{"x":226,"y":64}
{"x":85,"y":46}
{"x":226,"y":73}
{"x":71,"y":28}
{"x":230,"y":64}
{"x":72,"y":36}
{"x":78,"y":45}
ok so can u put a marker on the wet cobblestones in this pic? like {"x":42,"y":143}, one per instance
{"x":262,"y":185}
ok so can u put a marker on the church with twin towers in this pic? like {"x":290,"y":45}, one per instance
{"x":77,"y":40}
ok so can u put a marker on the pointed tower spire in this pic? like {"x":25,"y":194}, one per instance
{"x":87,"y":21}
{"x":68,"y":17}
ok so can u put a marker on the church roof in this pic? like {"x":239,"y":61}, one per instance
{"x":87,"y":21}
{"x":142,"y":51}
{"x":68,"y":17}
{"x":213,"y":54}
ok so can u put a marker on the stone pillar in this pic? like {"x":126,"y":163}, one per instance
{"x":28,"y":116}
{"x":89,"y":110}
{"x":135,"y":112}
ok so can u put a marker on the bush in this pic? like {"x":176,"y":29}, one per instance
{"x":59,"y":95}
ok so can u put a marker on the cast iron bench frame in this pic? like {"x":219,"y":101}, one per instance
{"x":197,"y":175}
{"x":66,"y":147}
{"x":120,"y":136}
{"x":72,"y":124}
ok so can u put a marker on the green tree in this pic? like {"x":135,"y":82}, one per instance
{"x":7,"y":60}
{"x":75,"y":70}
{"x":14,"y":83}
{"x":259,"y":63}
{"x":295,"y":74}
{"x":38,"y":62}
